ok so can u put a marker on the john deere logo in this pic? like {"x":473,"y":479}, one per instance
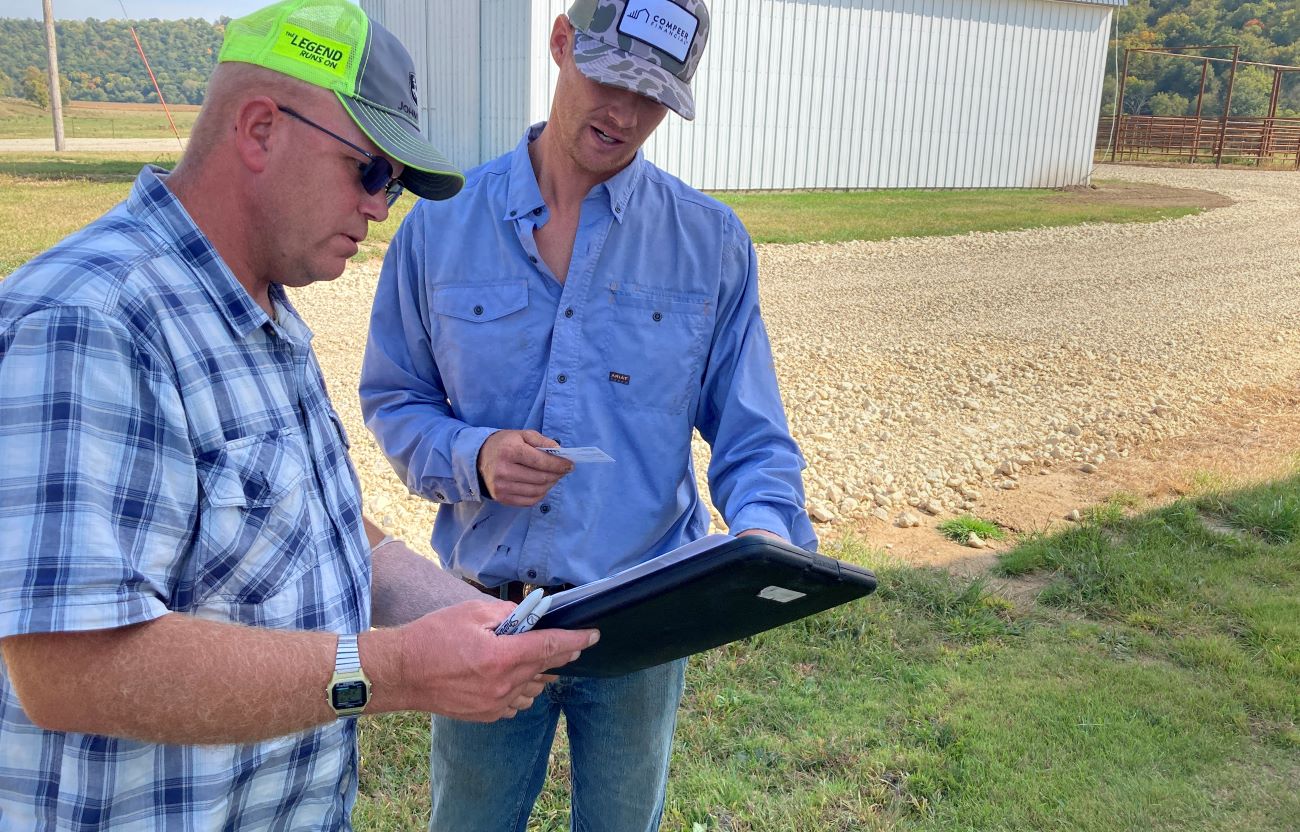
{"x":414,"y":96}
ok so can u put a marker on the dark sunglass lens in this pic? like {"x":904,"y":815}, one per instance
{"x":375,"y":176}
{"x":394,"y":191}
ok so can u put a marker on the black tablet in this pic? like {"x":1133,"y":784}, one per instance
{"x":707,"y":593}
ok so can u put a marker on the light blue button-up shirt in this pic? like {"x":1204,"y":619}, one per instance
{"x":654,"y":331}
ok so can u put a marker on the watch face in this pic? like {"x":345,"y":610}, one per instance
{"x":347,"y":695}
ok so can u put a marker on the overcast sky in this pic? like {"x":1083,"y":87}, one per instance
{"x":135,"y":9}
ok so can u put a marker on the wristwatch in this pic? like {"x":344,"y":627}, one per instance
{"x":349,"y":689}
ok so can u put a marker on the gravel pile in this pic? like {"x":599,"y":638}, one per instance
{"x":920,"y":374}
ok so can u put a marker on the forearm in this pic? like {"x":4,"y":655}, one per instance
{"x":405,"y":586}
{"x":182,"y":680}
{"x":176,"y":679}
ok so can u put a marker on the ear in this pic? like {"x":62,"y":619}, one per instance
{"x":254,"y":121}
{"x":561,"y":39}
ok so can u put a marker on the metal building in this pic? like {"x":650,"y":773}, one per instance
{"x":804,"y":93}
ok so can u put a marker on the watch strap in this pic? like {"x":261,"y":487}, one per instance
{"x":347,"y":659}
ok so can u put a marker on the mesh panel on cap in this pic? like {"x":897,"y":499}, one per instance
{"x":273,"y":37}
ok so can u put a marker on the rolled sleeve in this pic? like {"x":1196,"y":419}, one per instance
{"x":97,"y":491}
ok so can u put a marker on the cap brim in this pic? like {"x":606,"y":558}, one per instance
{"x":428,"y":174}
{"x":613,"y":67}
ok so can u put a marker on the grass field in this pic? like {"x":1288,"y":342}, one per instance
{"x":45,"y":196}
{"x":21,"y":119}
{"x":1153,"y":685}
{"x":881,"y":215}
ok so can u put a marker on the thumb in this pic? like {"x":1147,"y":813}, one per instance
{"x":537,"y":440}
{"x":557,"y":647}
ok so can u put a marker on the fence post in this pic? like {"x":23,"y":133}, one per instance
{"x":1119,"y":107}
{"x":1227,"y":106}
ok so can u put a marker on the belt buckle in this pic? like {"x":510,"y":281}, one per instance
{"x":527,"y":589}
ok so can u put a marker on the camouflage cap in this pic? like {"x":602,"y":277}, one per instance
{"x":651,"y":47}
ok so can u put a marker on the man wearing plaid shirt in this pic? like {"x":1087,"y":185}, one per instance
{"x":185,"y":573}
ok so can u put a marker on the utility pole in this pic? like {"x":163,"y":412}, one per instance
{"x":56,"y":93}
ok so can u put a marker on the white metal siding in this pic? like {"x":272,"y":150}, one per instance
{"x":823,"y":93}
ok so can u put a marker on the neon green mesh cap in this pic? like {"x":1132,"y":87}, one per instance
{"x":333,"y":44}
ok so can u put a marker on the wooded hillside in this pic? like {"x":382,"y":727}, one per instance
{"x":100,"y":63}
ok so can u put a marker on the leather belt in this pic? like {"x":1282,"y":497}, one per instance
{"x":516,"y":590}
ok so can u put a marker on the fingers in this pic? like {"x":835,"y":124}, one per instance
{"x":556,"y":648}
{"x":516,"y":473}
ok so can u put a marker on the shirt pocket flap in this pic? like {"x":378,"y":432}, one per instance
{"x":252,"y":472}
{"x":481,"y":301}
{"x":659,"y":300}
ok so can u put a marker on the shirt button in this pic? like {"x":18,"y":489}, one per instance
{"x":658,"y":316}
{"x":546,"y":508}
{"x":437,"y":495}
{"x":618,"y":209}
{"x":533,"y":259}
{"x":537,"y":212}
{"x":568,"y":313}
{"x":513,"y":213}
{"x":478,"y":310}
{"x":561,"y":378}
{"x":532,"y":573}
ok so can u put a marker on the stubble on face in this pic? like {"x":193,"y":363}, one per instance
{"x":601,"y":128}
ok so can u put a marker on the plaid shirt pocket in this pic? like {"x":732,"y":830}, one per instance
{"x":255,"y":529}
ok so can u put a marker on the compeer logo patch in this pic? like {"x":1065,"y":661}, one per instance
{"x":662,"y":24}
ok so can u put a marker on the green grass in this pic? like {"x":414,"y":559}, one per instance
{"x":21,"y":119}
{"x":882,"y":215}
{"x":45,"y":196}
{"x":1154,"y":686}
{"x":959,"y":529}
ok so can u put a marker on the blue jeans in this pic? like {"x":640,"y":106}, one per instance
{"x":485,"y":778}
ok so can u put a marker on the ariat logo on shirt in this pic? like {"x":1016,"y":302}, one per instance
{"x":620,"y":378}
{"x":313,"y":49}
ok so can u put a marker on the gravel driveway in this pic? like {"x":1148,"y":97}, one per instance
{"x":919,"y":374}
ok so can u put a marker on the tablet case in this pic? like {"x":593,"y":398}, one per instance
{"x":732,"y":589}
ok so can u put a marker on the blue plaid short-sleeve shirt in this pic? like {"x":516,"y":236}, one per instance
{"x":165,"y":446}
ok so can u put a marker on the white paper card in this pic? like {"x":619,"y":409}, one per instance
{"x":587,"y":454}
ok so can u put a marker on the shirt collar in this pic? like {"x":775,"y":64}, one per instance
{"x":524,"y":197}
{"x":158,"y":207}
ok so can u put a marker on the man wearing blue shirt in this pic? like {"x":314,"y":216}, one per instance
{"x":574,"y":294}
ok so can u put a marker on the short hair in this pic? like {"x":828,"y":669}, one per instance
{"x":229,"y":87}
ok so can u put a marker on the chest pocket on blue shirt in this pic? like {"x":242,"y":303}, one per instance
{"x":653,"y":345}
{"x":255,"y":530}
{"x":483,"y":332}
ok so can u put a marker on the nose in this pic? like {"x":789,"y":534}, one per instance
{"x":624,"y":108}
{"x":374,"y":207}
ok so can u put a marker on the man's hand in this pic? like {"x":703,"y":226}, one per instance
{"x":451,"y":663}
{"x":516,"y":473}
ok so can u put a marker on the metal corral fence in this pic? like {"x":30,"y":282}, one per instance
{"x":1268,"y":141}
{"x":1265,"y":142}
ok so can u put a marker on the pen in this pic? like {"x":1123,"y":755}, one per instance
{"x":512,"y":622}
{"x":532,"y":618}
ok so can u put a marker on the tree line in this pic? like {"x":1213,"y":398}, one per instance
{"x":99,"y":62}
{"x":1268,"y":31}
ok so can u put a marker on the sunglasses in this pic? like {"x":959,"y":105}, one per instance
{"x":376,"y":174}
